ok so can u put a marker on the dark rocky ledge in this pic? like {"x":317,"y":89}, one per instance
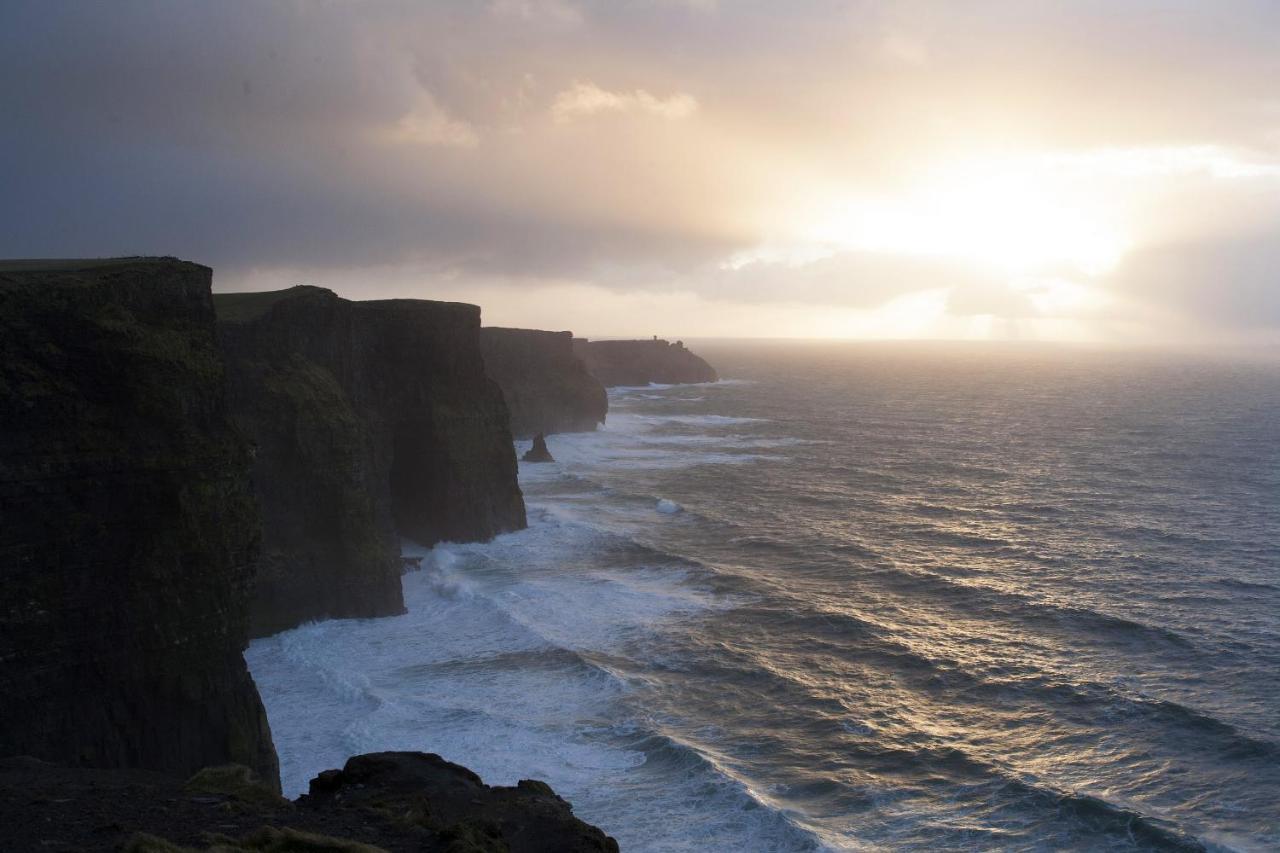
{"x":616,"y":363}
{"x":395,"y":801}
{"x":546,"y":386}
{"x":129,"y":531}
{"x":370,"y":420}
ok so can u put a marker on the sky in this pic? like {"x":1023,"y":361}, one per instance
{"x":1092,"y":170}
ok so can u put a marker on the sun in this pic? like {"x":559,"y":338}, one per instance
{"x":1012,"y":217}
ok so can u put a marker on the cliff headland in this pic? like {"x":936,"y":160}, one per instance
{"x":546,"y":386}
{"x":642,"y":362}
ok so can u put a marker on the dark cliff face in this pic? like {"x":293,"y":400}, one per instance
{"x":370,"y":419}
{"x":453,"y":466}
{"x":642,"y":362}
{"x":546,"y":386}
{"x":129,"y":530}
{"x":329,"y":547}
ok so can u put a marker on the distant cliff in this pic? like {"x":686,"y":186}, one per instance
{"x":642,"y":362}
{"x":370,"y":420}
{"x":546,"y":386}
{"x":129,"y":531}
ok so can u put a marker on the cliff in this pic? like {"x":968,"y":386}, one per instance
{"x":129,"y":529}
{"x":546,"y":386}
{"x":381,"y":802}
{"x":329,"y":547}
{"x":642,"y":362}
{"x":370,"y":420}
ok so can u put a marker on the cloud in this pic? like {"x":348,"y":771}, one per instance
{"x":659,"y":148}
{"x":1225,"y":283}
{"x":552,"y":12}
{"x":428,"y":124}
{"x":588,"y":99}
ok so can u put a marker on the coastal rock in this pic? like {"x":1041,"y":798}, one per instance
{"x":371,"y":420}
{"x":538,"y":452}
{"x":616,"y":363}
{"x":129,"y":529}
{"x":381,"y":802}
{"x":546,"y":386}
{"x":425,"y":790}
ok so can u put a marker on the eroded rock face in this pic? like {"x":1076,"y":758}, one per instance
{"x":546,"y":386}
{"x":616,"y":363}
{"x":371,"y":420}
{"x":129,"y":530}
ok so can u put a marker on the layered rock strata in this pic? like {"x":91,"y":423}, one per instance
{"x":546,"y":386}
{"x":128,"y":529}
{"x":371,"y":420}
{"x":615,"y":363}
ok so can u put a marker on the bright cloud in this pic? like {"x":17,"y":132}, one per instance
{"x":588,"y":99}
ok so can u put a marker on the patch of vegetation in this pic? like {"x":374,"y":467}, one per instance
{"x":245,"y":307}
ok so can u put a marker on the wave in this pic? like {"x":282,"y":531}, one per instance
{"x":978,"y":595}
{"x":710,"y":779}
{"x":1238,"y":583}
{"x":1112,"y":819}
{"x":999,"y":787}
{"x":950,"y":679}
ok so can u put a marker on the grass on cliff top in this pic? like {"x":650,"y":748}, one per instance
{"x":16,"y":266}
{"x":243,"y":307}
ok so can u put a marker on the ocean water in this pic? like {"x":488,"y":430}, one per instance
{"x":863,"y":597}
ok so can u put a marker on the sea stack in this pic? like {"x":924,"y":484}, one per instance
{"x":615,"y":363}
{"x":538,"y":452}
{"x":129,"y":530}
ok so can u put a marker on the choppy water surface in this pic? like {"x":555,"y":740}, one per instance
{"x":858,"y":597}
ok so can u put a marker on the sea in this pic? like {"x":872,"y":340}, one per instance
{"x":857,"y":597}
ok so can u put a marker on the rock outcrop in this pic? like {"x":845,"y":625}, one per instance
{"x":371,"y":420}
{"x":129,"y":530}
{"x":616,"y":363}
{"x":382,"y":802}
{"x":546,"y":386}
{"x":538,"y":452}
